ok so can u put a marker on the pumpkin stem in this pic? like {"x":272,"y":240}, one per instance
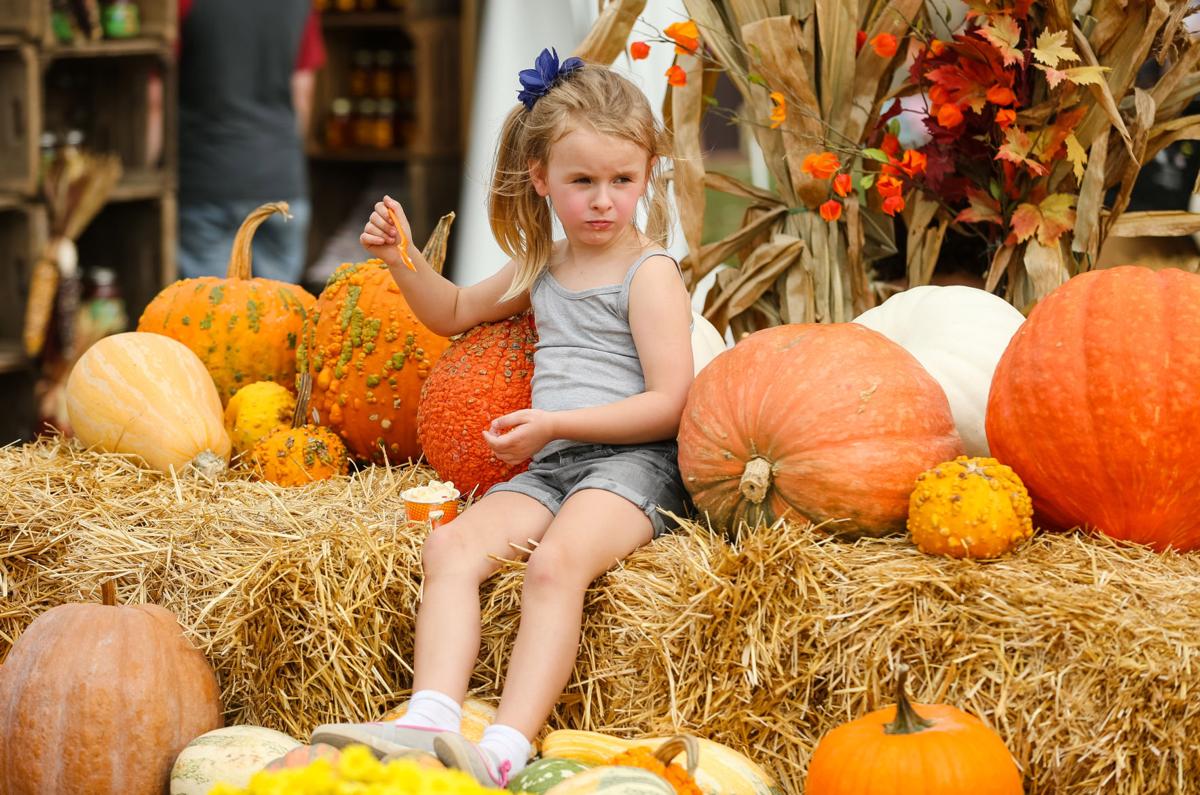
{"x":907,"y":720}
{"x":756,"y":480}
{"x":239,"y":257}
{"x":108,"y":593}
{"x":435,"y":247}
{"x":303,"y":396}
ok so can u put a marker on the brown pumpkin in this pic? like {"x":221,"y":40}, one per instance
{"x":484,"y":374}
{"x":811,"y":421}
{"x":244,"y":329}
{"x":369,"y":357}
{"x":933,"y":749}
{"x":1094,"y":405}
{"x":100,"y":698}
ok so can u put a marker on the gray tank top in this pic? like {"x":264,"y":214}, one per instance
{"x":585,"y":355}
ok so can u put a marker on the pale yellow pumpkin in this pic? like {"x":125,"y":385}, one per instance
{"x":256,"y":411}
{"x":148,"y":395}
{"x":969,"y":508}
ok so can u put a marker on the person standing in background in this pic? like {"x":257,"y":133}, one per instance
{"x":246,"y":75}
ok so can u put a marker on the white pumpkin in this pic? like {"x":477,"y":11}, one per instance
{"x":707,"y":342}
{"x":230,"y":755}
{"x":148,"y":395}
{"x":958,"y":334}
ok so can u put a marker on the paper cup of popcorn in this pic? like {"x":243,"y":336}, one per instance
{"x":436,"y":495}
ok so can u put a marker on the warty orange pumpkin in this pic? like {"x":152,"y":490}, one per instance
{"x":369,"y":357}
{"x":934,"y":749}
{"x":817,"y":422}
{"x":1094,"y":405}
{"x":244,"y":329}
{"x":484,"y":374}
{"x":99,"y":698}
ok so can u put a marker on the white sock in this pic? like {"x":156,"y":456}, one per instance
{"x":430,"y":709}
{"x":506,"y":743}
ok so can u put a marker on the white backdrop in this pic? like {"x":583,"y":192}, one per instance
{"x":512,"y":33}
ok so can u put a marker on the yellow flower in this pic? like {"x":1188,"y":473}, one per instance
{"x":779,"y":112}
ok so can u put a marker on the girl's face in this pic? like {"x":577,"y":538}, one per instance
{"x":594,"y":182}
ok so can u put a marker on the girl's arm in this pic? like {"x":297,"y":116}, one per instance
{"x":442,"y":306}
{"x":660,"y":314}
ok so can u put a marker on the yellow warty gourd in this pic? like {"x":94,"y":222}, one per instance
{"x":256,"y":411}
{"x":969,"y":507}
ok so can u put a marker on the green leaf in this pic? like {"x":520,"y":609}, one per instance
{"x":867,"y":181}
{"x":757,"y":79}
{"x":994,"y":189}
{"x":876,"y":154}
{"x":711,"y":102}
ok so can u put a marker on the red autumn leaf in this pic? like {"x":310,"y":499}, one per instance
{"x":831,"y":210}
{"x":885,"y":45}
{"x":1048,"y":219}
{"x":890,"y":145}
{"x":639,"y":50}
{"x":893,"y":205}
{"x":1003,"y":33}
{"x":983,"y":209}
{"x":676,"y":76}
{"x":1048,"y":146}
{"x":1016,"y":149}
{"x":842,"y":185}
{"x":964,"y":82}
{"x":1001,"y":95}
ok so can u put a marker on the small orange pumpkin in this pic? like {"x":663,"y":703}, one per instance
{"x":244,"y":329}
{"x":302,"y":453}
{"x":908,"y":748}
{"x":486,"y":373}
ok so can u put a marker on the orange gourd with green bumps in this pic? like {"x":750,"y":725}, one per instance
{"x":244,"y":329}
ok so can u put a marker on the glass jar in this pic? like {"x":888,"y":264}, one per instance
{"x":383,"y":77}
{"x":339,"y":132}
{"x":405,"y":86}
{"x":360,"y":74}
{"x":119,"y":20}
{"x":385,"y":121}
{"x":364,"y":122}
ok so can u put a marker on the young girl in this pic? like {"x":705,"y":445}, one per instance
{"x":611,"y":373}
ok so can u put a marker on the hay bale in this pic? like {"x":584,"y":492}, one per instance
{"x":1079,"y":651}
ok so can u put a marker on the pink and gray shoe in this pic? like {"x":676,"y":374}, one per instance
{"x":458,"y":752}
{"x":382,"y":738}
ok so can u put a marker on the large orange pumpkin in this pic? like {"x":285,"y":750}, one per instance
{"x":101,"y":698}
{"x":934,"y":749}
{"x":244,"y":329}
{"x":369,"y":356}
{"x":1095,"y":403}
{"x":485,"y":373}
{"x":813,"y":422}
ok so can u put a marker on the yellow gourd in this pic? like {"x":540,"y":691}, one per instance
{"x":256,"y":411}
{"x":720,"y":769}
{"x":969,"y":507}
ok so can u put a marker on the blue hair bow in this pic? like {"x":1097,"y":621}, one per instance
{"x":544,"y":75}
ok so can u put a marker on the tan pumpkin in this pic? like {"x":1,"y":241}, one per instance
{"x":101,"y":698}
{"x":824,"y":422}
{"x":150,"y":396}
{"x":256,"y":411}
{"x":969,"y":508}
{"x":244,"y":329}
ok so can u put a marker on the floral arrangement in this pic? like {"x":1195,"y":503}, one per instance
{"x":357,"y":772}
{"x":680,"y":781}
{"x":1036,"y":131}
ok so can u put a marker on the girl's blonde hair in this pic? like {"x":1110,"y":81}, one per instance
{"x":592,"y":95}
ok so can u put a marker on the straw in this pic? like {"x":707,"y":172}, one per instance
{"x":1080,"y":652}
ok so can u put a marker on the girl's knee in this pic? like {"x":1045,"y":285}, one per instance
{"x":552,"y":567}
{"x":451,"y":551}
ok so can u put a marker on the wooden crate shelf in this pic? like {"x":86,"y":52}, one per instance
{"x":30,"y":19}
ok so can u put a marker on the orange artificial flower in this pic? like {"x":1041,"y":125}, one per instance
{"x":914,"y":162}
{"x":842,"y":185}
{"x":949,"y":115}
{"x":820,"y":166}
{"x":639,"y":50}
{"x":885,"y":45}
{"x":860,"y":39}
{"x":938,"y":95}
{"x":890,"y":145}
{"x":831,"y":210}
{"x":1001,"y":95}
{"x":893,"y":205}
{"x":888,"y":186}
{"x":685,"y":35}
{"x":1006,"y":117}
{"x":676,"y":76}
{"x":937,"y":47}
{"x":779,"y":112}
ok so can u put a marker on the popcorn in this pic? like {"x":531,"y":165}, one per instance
{"x":435,"y":491}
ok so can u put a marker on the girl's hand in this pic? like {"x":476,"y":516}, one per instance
{"x":517,"y":436}
{"x":380,"y":235}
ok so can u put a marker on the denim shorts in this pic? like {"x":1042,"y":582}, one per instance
{"x":645,"y":474}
